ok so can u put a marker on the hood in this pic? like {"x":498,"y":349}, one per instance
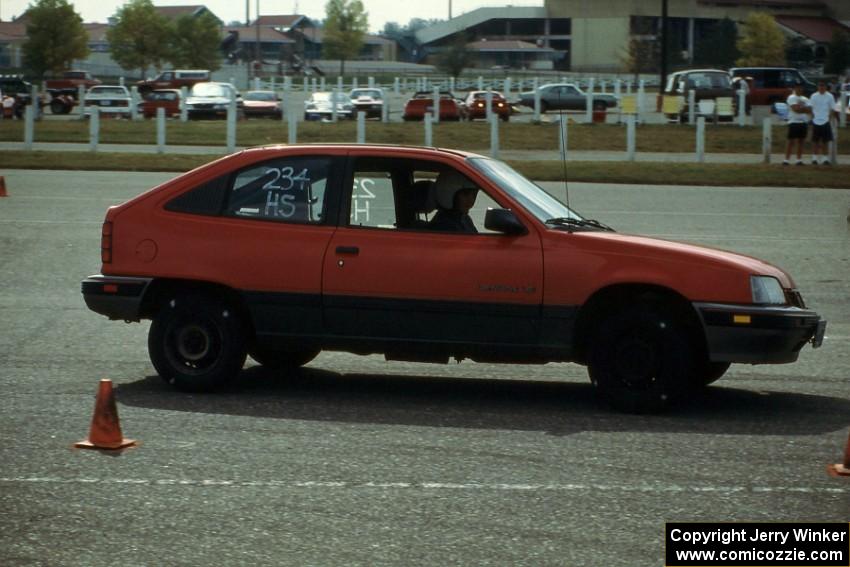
{"x":207,"y":100}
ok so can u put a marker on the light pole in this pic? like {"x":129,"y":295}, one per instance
{"x":664,"y":26}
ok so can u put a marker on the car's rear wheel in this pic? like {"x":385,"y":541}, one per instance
{"x":640,"y":359}
{"x":283,"y":359}
{"x":57,"y":107}
{"x":708,"y":372}
{"x":197,"y":343}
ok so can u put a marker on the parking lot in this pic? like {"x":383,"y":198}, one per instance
{"x":358,"y":461}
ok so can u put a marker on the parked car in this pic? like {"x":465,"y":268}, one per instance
{"x":17,"y":89}
{"x":273,"y":252}
{"x":168,"y":99}
{"x":368,"y":100}
{"x":707,"y":84}
{"x":64,"y":89}
{"x":566,"y":96}
{"x":767,"y":85}
{"x":476,"y":105}
{"x":211,"y":100}
{"x":112,"y":100}
{"x":450,"y":107}
{"x":175,"y":79}
{"x":320,"y":106}
{"x":262,"y":104}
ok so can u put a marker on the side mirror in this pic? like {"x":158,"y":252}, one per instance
{"x":504,"y":221}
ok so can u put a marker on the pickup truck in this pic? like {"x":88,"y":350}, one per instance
{"x":63,"y":90}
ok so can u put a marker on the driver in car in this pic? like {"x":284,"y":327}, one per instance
{"x":455,"y":197}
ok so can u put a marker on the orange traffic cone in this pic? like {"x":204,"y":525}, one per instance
{"x":841,"y":469}
{"x":3,"y":187}
{"x":105,"y":430}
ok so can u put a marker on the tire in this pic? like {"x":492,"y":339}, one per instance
{"x":282,"y":359}
{"x":506,"y":117}
{"x":708,"y":373}
{"x":197,"y":343}
{"x":641,"y":359}
{"x":58,"y":107}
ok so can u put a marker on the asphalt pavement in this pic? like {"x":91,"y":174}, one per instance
{"x":358,"y":461}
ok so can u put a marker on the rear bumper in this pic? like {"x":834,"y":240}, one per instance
{"x":117,"y":297}
{"x":758,"y":335}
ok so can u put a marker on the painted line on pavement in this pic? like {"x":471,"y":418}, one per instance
{"x":508,"y":487}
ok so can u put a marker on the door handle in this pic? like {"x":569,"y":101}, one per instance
{"x":352,"y":250}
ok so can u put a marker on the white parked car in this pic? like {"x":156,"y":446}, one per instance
{"x":320,"y":106}
{"x":210,"y":100}
{"x":368,"y":100}
{"x":111,"y":99}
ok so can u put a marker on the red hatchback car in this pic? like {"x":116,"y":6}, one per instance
{"x":281,"y":252}
{"x":450,"y":107}
{"x":476,"y":105}
{"x":169,"y":99}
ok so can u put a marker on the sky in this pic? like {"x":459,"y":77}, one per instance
{"x":380,"y":11}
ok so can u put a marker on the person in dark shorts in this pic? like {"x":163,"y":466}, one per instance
{"x":823,"y":108}
{"x":798,"y":123}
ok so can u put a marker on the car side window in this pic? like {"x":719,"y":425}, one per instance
{"x":284,"y":190}
{"x":372,"y":200}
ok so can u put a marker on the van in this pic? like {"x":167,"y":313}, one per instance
{"x":175,"y":79}
{"x":768,"y":85}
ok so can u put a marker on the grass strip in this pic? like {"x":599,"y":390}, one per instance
{"x":641,"y":173}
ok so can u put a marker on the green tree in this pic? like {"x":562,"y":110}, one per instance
{"x":140,"y":37}
{"x":643,"y":53}
{"x":455,"y":57}
{"x":195,"y":42}
{"x":55,"y":37}
{"x":346,"y":22}
{"x":761,"y":42}
{"x":838,"y":60}
{"x":718,"y":49}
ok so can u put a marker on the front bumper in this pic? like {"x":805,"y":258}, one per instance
{"x":758,"y":335}
{"x":117,"y":297}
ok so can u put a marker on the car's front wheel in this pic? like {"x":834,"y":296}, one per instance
{"x":197,"y":343}
{"x":640,"y":359}
{"x":708,"y":373}
{"x":283,"y":359}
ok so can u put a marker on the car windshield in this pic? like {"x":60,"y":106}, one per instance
{"x":210,"y":89}
{"x":259,"y":96}
{"x":530,"y":195}
{"x":109,"y":91}
{"x":709,"y":80}
{"x":374,"y":93}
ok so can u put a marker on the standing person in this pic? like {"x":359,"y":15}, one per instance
{"x":823,"y":107}
{"x":798,"y":123}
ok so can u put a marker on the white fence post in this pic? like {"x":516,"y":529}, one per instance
{"x":588,"y":111}
{"x":507,"y":92}
{"x":354,"y":82}
{"x":488,"y":100}
{"x":322,"y":84}
{"x":231,"y":125}
{"x":766,"y":139}
{"x":36,"y":107}
{"x":480,"y":83}
{"x":429,"y":133}
{"x":361,"y":127}
{"x":631,"y":138}
{"x":371,"y":82}
{"x":81,"y":101}
{"x":641,"y":95}
{"x":160,"y":130}
{"x":334,"y":114}
{"x":94,"y":128}
{"x":494,"y":136}
{"x":292,"y":112}
{"x":563,"y":137}
{"x":396,"y":86}
{"x":385,"y":111}
{"x":536,"y":103}
{"x":134,"y":103}
{"x":256,"y":83}
{"x":184,"y":112}
{"x":701,"y":139}
{"x":29,"y":126}
{"x":436,"y":104}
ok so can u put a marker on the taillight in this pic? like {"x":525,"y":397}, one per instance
{"x":106,"y":243}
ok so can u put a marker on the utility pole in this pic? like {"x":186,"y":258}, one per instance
{"x":664,"y":30}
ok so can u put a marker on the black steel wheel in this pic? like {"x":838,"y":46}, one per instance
{"x":641,"y":359}
{"x":283,"y":359}
{"x":197,"y":343}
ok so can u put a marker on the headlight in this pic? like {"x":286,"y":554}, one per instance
{"x":767,"y":290}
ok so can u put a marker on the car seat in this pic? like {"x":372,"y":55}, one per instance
{"x":423,"y":202}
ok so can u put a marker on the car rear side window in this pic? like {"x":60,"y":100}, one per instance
{"x":204,"y":199}
{"x":283,"y":190}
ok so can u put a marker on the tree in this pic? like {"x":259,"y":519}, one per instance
{"x":140,"y":37}
{"x":761,"y":42}
{"x":643,"y":52}
{"x":838,"y":60}
{"x":55,"y":37}
{"x":718,"y":49}
{"x":345,"y":25}
{"x":195,"y":42}
{"x":455,"y":57}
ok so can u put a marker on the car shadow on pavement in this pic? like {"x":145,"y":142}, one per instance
{"x":558,"y":408}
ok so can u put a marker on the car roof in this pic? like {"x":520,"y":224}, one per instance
{"x":370,"y":148}
{"x":686,"y":71}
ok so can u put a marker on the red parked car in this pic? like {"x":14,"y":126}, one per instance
{"x":281,"y":252}
{"x":476,"y":105}
{"x":265,"y":104}
{"x":169,"y":99}
{"x":451,"y":108}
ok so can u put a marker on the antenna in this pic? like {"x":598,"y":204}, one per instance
{"x":563,"y":138}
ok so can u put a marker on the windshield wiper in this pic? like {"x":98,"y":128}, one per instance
{"x":571,"y":222}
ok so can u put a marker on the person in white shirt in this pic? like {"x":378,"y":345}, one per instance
{"x":823,"y":108}
{"x":798,"y":123}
